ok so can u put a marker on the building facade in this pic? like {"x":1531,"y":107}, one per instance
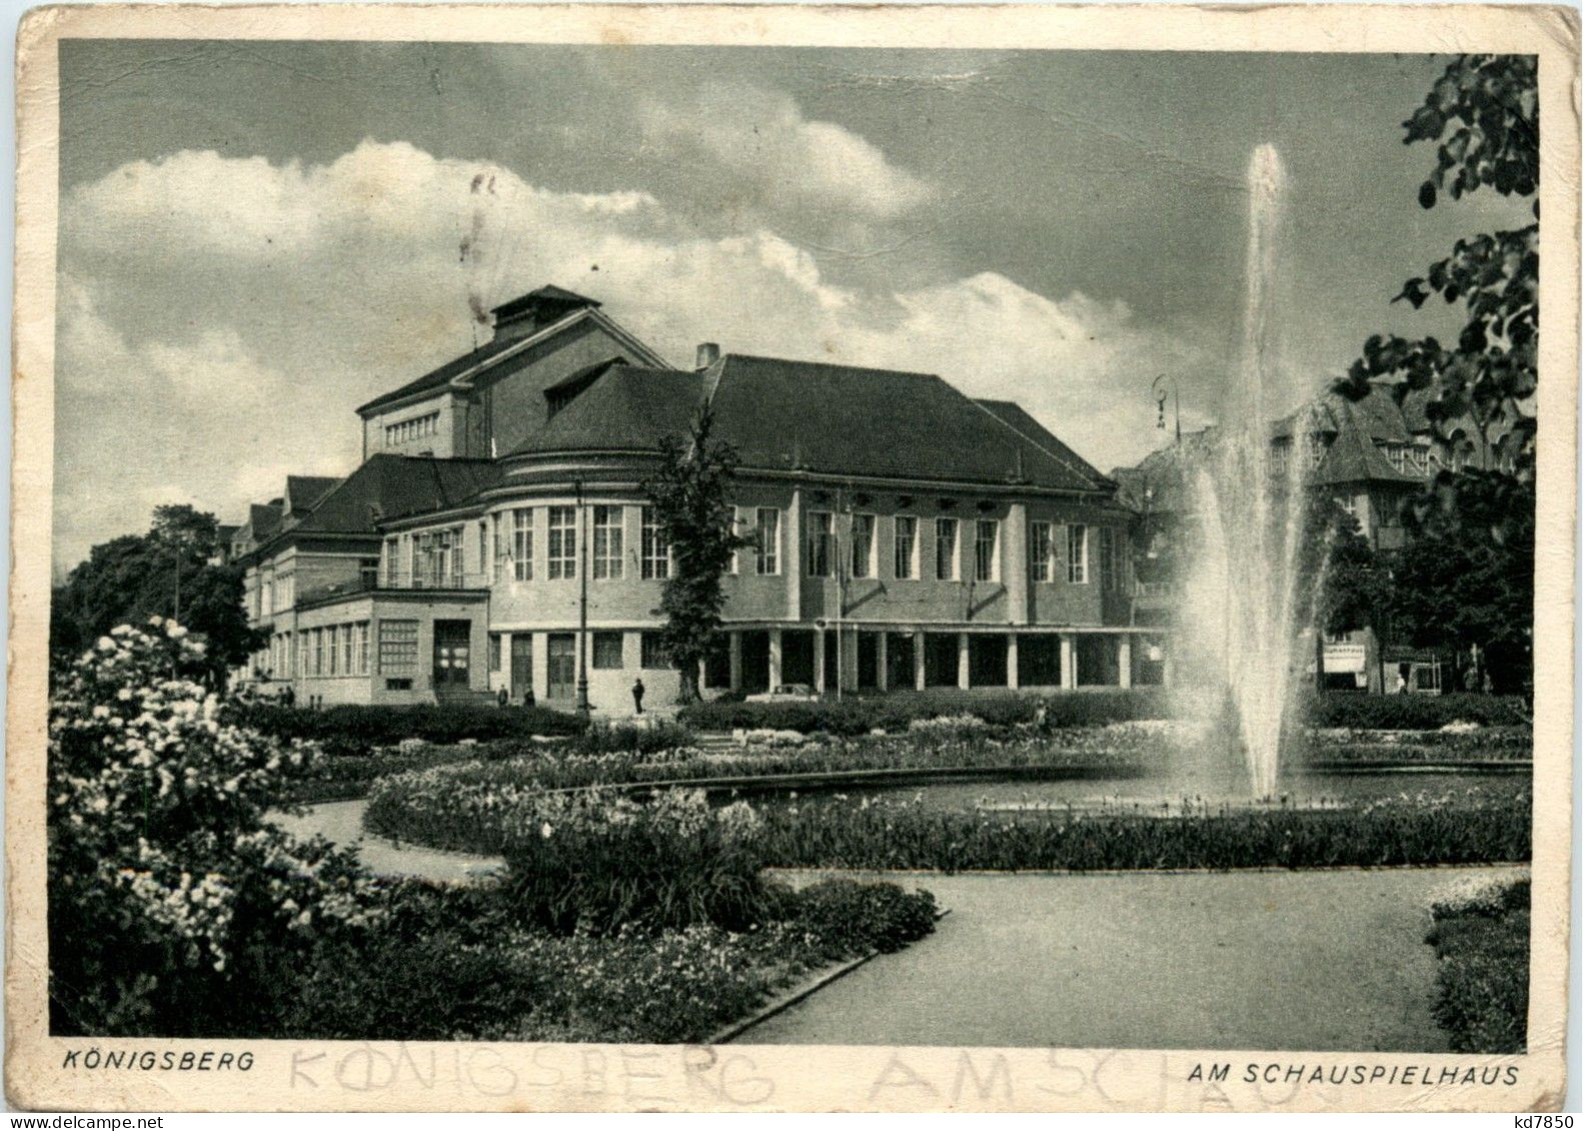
{"x":499,"y":538}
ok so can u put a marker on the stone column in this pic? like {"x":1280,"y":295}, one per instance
{"x":964,"y":678}
{"x":792,"y":555}
{"x":882,"y":659}
{"x":1124,"y":659}
{"x":734,"y":643}
{"x":1068,"y":661}
{"x":1011,"y":661}
{"x":918,"y":670}
{"x":775,"y":658}
{"x":1014,"y":563}
{"x":818,"y":660}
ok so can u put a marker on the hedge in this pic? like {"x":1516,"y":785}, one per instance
{"x":859,"y":715}
{"x":1483,"y":972}
{"x":1415,"y":712}
{"x":357,"y":729}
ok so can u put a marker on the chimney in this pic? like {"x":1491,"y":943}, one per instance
{"x":708,"y":354}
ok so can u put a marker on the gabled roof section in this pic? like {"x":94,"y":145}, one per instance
{"x":1353,"y":458}
{"x":1017,"y":418}
{"x":845,"y":420}
{"x":263,"y":520}
{"x":437,"y":379}
{"x":546,"y":295}
{"x":302,"y":491}
{"x":461,"y":370}
{"x":392,"y":486}
{"x":621,"y":408}
{"x":558,"y":394}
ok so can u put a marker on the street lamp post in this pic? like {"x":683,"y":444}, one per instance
{"x":1175,"y":392}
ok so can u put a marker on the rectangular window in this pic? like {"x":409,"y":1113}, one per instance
{"x":945,"y":556}
{"x":1077,"y":554}
{"x":318,"y":651}
{"x":563,"y":543}
{"x":522,"y":544}
{"x":1041,"y":551}
{"x":390,"y":562}
{"x":862,"y":545}
{"x":483,"y":547}
{"x":655,"y":657}
{"x":986,"y":550}
{"x":346,"y":650}
{"x":607,"y":650}
{"x":414,"y":429}
{"x":1107,"y":558}
{"x":767,"y":533}
{"x":656,"y":550}
{"x":398,"y":647}
{"x":494,"y":651}
{"x":906,"y":547}
{"x":362,"y":647}
{"x":287,"y":654}
{"x":821,"y":543}
{"x":608,"y":542}
{"x":305,"y":653}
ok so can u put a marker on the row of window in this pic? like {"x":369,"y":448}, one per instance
{"x":414,"y":429}
{"x":436,"y":556}
{"x":606,"y":651}
{"x":339,"y":649}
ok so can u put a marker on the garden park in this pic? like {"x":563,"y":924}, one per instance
{"x":682,"y":882}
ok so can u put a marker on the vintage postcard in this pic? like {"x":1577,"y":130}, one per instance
{"x":802,"y":558}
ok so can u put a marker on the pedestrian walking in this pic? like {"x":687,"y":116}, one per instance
{"x":637,"y":696}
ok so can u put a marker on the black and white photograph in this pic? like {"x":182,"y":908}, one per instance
{"x":742,"y":549}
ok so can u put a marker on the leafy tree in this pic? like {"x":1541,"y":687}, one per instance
{"x":168,"y":572}
{"x":1484,"y":112}
{"x":1466,"y":577}
{"x":690,"y":505}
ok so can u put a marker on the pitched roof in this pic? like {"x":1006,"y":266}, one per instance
{"x":548,"y":295}
{"x":263,"y":520}
{"x":845,"y":420}
{"x":1015,"y":416}
{"x":391,"y":486}
{"x":1354,"y":458}
{"x":439,"y":378}
{"x":302,"y":491}
{"x":623,"y":408}
{"x":836,"y":419}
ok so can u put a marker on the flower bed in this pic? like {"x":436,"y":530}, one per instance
{"x":452,"y":965}
{"x":887,"y":834}
{"x":1481,"y":940}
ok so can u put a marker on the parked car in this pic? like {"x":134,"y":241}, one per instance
{"x":785,"y":693}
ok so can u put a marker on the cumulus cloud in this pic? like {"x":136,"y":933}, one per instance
{"x":221,"y":318}
{"x":760,"y":142}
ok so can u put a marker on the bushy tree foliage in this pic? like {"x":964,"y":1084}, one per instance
{"x":1484,"y":112}
{"x":175,"y":909}
{"x":131,"y":578}
{"x":689,"y":495}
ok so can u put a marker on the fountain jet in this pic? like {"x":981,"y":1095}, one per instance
{"x":1240,"y":611}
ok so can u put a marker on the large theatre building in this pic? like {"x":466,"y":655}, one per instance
{"x":902,"y":535}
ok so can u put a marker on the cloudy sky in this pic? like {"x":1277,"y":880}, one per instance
{"x":256,"y":238}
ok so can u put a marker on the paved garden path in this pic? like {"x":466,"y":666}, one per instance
{"x":341,"y":822}
{"x":1276,"y":960}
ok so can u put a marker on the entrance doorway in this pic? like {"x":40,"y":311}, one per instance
{"x":521,"y":665}
{"x":755,"y":661}
{"x":452,"y":645}
{"x":562,"y":657}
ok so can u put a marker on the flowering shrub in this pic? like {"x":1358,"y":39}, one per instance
{"x":352,"y":729}
{"x":948,"y":724}
{"x":174,"y":908}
